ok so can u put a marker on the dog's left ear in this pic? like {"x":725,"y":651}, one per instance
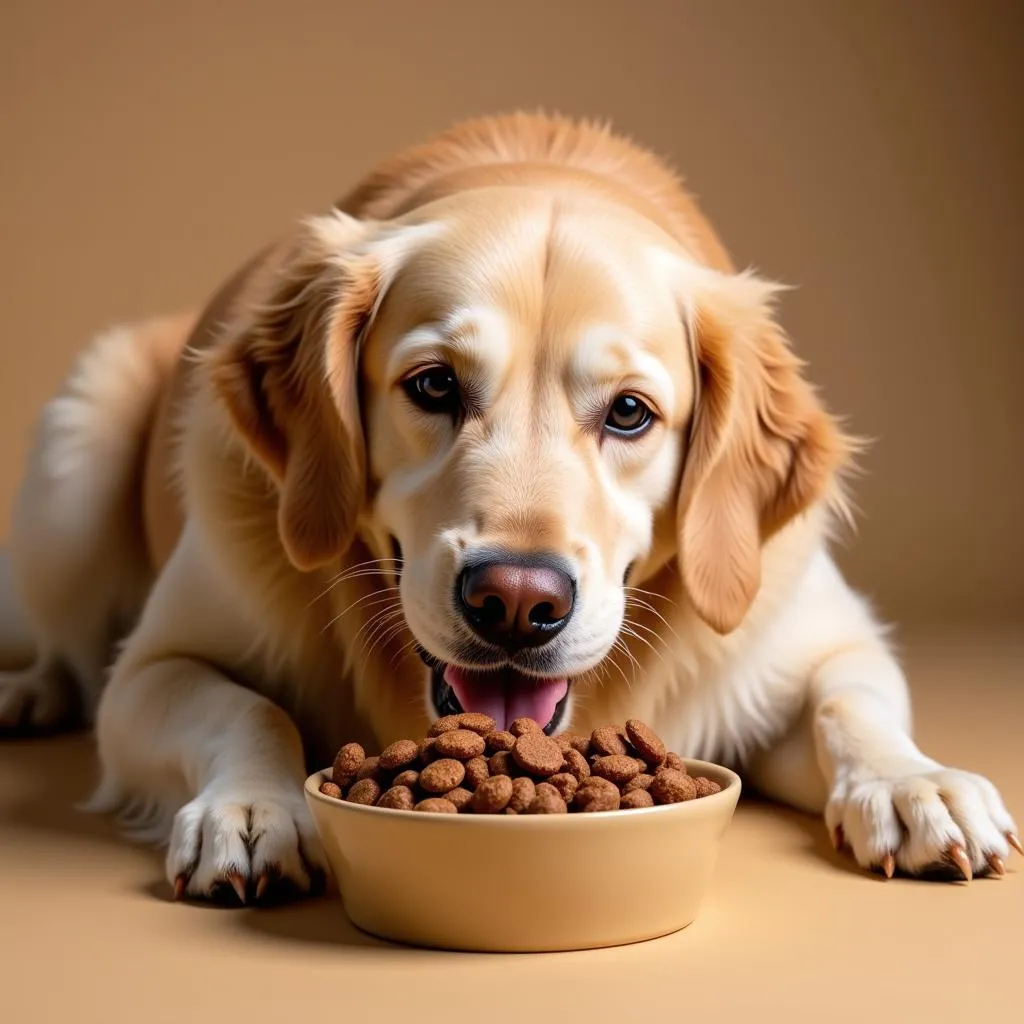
{"x":288,"y":377}
{"x":763,"y":449}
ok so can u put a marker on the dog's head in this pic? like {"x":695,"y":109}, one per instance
{"x":533,"y":402}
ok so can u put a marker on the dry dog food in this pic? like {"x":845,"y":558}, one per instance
{"x":465,"y":766}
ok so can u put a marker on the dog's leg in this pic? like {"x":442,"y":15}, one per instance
{"x":196,"y":757}
{"x":893,"y":806}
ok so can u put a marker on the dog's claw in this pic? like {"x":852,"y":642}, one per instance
{"x":959,"y":858}
{"x":995,"y":862}
{"x":1011,"y":838}
{"x":888,"y":865}
{"x":261,"y":886}
{"x":179,"y":886}
{"x":238,"y":884}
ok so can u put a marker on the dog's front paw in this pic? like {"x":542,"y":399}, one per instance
{"x":245,"y":845}
{"x":922,"y":819}
{"x":40,"y":699}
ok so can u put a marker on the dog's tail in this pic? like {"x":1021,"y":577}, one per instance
{"x":17,"y":645}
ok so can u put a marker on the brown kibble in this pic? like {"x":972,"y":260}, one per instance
{"x":636,"y":798}
{"x":445,"y":724}
{"x":501,"y":763}
{"x":347,"y":763}
{"x":398,"y":755}
{"x":576,"y":765}
{"x":398,"y":798}
{"x":477,"y":722}
{"x":675,"y":762}
{"x":461,"y":744}
{"x":425,"y":751}
{"x":476,"y":772}
{"x":442,"y":775}
{"x":499,"y":741}
{"x":407,"y":778}
{"x":331,"y":789}
{"x":365,"y":791}
{"x":510,"y":810}
{"x":547,"y":800}
{"x":575,"y":741}
{"x":523,"y":792}
{"x":537,"y":753}
{"x":647,"y":743}
{"x":617,"y":768}
{"x":368,"y":769}
{"x":705,"y":787}
{"x":672,"y":787}
{"x":607,"y":740}
{"x":641,"y":781}
{"x":521,"y":726}
{"x":566,"y":785}
{"x":437,"y":804}
{"x":492,"y":795}
{"x":459,"y":796}
{"x":592,"y":796}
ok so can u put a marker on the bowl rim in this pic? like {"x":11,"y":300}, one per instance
{"x":733,"y":785}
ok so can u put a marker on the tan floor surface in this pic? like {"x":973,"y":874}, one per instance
{"x":792,"y":931}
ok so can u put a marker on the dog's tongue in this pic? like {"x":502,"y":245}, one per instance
{"x":506,"y":696}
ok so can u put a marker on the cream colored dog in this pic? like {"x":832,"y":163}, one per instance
{"x":504,"y":431}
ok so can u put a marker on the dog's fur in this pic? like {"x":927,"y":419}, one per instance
{"x":223,"y":494}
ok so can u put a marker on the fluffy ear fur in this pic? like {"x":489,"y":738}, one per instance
{"x":289,"y":380}
{"x":763,"y":449}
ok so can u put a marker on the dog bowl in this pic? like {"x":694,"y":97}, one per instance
{"x":525,"y":883}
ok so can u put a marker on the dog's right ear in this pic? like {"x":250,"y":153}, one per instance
{"x":288,"y":377}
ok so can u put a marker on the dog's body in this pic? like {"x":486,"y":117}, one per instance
{"x":272,"y":501}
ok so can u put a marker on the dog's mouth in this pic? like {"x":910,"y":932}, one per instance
{"x":504,"y":694}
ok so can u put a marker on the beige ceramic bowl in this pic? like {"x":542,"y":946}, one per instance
{"x":525,"y":883}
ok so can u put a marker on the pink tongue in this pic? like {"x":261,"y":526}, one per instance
{"x":506,"y":696}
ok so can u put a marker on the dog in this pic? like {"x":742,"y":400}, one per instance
{"x":504,"y":430}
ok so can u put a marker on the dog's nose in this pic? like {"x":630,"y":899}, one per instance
{"x":516,"y":606}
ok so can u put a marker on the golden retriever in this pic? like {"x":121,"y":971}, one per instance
{"x":503,"y":431}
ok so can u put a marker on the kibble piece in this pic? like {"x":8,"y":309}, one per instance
{"x":617,"y":768}
{"x":537,"y":754}
{"x":365,"y":791}
{"x":441,"y":775}
{"x":347,"y":763}
{"x":547,"y":800}
{"x":407,"y":778}
{"x":641,"y":781}
{"x":501,"y":763}
{"x":672,"y":787}
{"x":425,"y":751}
{"x":510,"y":810}
{"x":477,"y":722}
{"x":492,"y":795}
{"x":675,"y":762}
{"x":607,"y":740}
{"x":398,"y":798}
{"x":437,"y":804}
{"x":445,"y":724}
{"x":576,"y":765}
{"x":499,"y":741}
{"x":368,"y":769}
{"x":523,"y":792}
{"x":521,"y":726}
{"x":592,"y":797}
{"x":576,"y":742}
{"x":398,"y":755}
{"x":459,"y":743}
{"x":647,"y":743}
{"x":331,"y":789}
{"x":566,"y":785}
{"x":636,"y":798}
{"x":460,"y":796}
{"x":705,"y":787}
{"x":476,"y":772}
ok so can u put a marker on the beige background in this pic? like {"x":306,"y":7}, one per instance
{"x":869,"y":152}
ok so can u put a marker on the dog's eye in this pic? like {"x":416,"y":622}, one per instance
{"x":628,"y":416}
{"x":435,"y":389}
